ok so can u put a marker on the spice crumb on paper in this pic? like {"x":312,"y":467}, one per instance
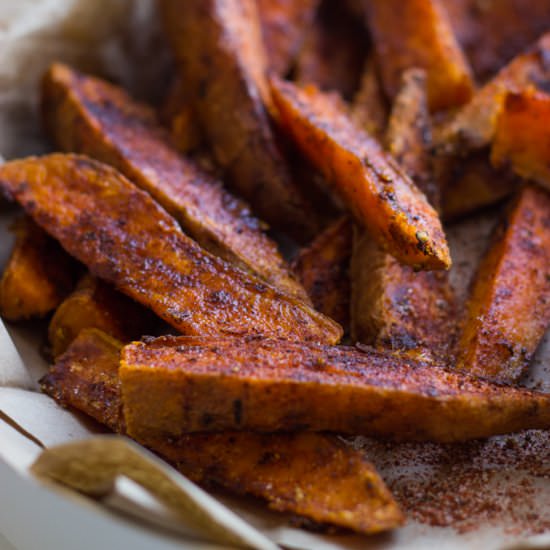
{"x":496,"y":482}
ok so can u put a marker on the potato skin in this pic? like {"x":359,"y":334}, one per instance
{"x":176,"y":385}
{"x":376,"y":190}
{"x":125,"y":238}
{"x":291,"y":472}
{"x":95,"y":304}
{"x":417,"y":33}
{"x":522,"y":137}
{"x":284,"y":24}
{"x":88,"y":115}
{"x":323,"y":269}
{"x":219,"y":49}
{"x":509,"y":305}
{"x":38,"y":275}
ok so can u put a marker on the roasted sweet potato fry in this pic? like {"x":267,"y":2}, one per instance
{"x":125,"y":238}
{"x":218,"y":45}
{"x":308,"y":474}
{"x":509,"y":306}
{"x":493,"y":32}
{"x":86,"y":377}
{"x":174,"y":385}
{"x":323,"y":270}
{"x":90,"y":116}
{"x":284,"y":23}
{"x":470,"y":183}
{"x":328,"y":206}
{"x":38,"y":275}
{"x":95,"y":304}
{"x":334,"y":51}
{"x":409,"y":134}
{"x":473,"y":126}
{"x":417,"y":33}
{"x":380,"y":195}
{"x":522,"y":137}
{"x":369,"y":109}
{"x":311,"y":475}
{"x":393,"y":306}
{"x":176,"y":113}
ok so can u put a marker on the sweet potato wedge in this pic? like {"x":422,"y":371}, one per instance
{"x":334,"y":51}
{"x":394,"y":307}
{"x":418,"y":33}
{"x":311,"y":475}
{"x":284,"y":24}
{"x":177,"y":114}
{"x":509,"y":306}
{"x":175,"y":385}
{"x":493,"y":32}
{"x":85,"y":377}
{"x":323,"y":269}
{"x":369,"y":109}
{"x":88,"y":115}
{"x":219,"y":49}
{"x":95,"y":304}
{"x":470,"y":183}
{"x":522,"y":139}
{"x":380,"y":195}
{"x":409,"y":133}
{"x":125,"y":238}
{"x":38,"y":275}
{"x":473,"y":126}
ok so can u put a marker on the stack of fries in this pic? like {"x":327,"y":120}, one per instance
{"x":354,"y":130}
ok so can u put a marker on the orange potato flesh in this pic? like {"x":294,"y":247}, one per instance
{"x":125,"y":238}
{"x":380,"y":195}
{"x":417,"y":33}
{"x":509,"y":306}
{"x":284,"y":24}
{"x":38,"y":275}
{"x":88,"y":115}
{"x":95,"y":304}
{"x":522,"y":137}
{"x":312,"y":475}
{"x":323,"y":270}
{"x":176,"y":385}
{"x":473,"y":126}
{"x":220,"y":54}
